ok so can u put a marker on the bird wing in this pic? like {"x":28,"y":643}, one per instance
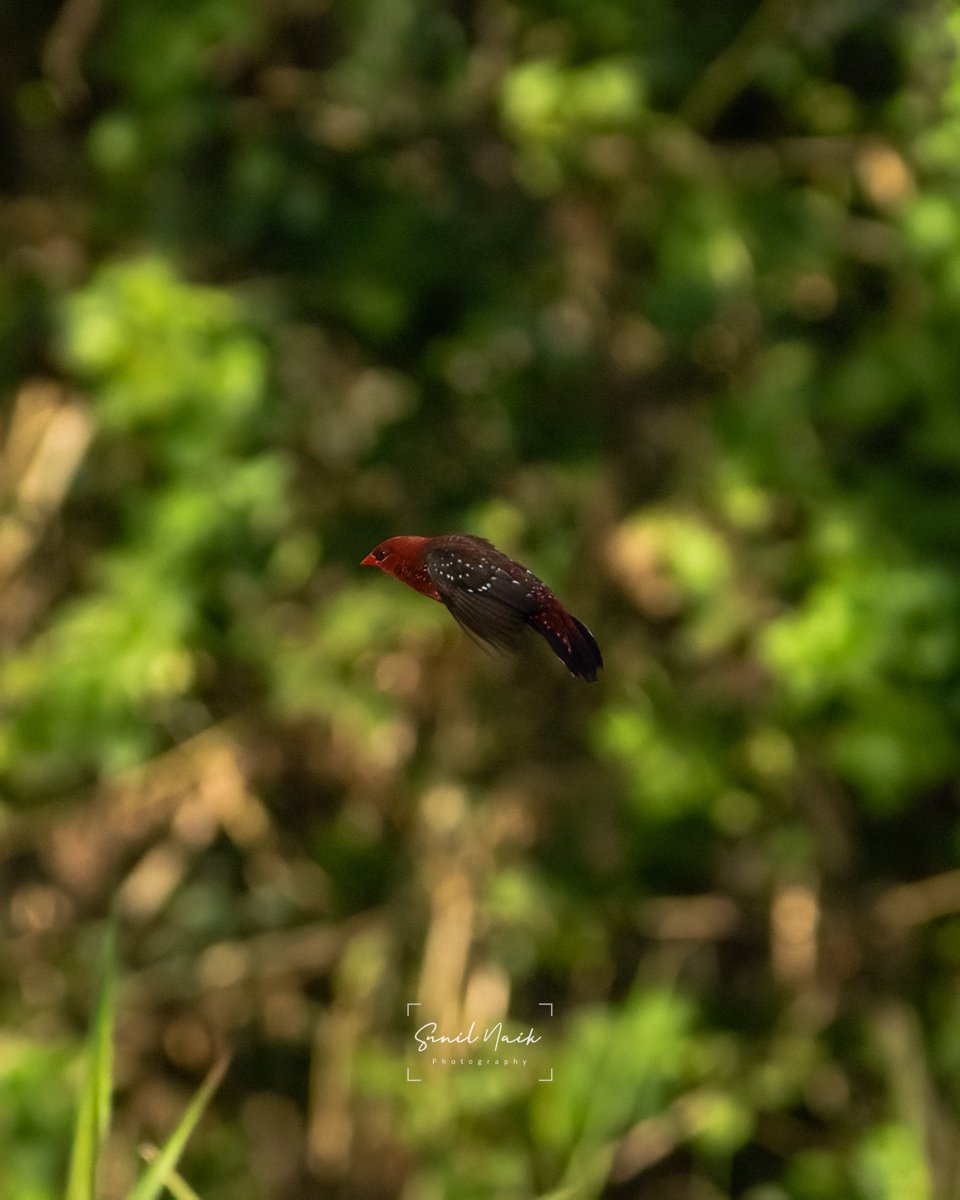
{"x":485,"y":599}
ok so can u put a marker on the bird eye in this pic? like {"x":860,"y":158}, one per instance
{"x":379,"y":554}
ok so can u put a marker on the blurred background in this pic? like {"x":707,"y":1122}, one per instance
{"x":663,"y":299}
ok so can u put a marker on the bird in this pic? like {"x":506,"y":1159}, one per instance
{"x":489,"y":594}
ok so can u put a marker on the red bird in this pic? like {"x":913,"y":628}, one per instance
{"x":489,"y":594}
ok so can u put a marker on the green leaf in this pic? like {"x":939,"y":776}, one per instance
{"x":176,"y":1185}
{"x":93,"y":1113}
{"x":160,"y":1171}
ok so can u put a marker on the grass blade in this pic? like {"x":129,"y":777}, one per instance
{"x":93,"y":1111}
{"x":176,"y":1185}
{"x":156,"y":1177}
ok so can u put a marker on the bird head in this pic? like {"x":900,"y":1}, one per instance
{"x":395,"y":555}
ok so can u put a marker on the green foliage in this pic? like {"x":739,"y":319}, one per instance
{"x":36,"y":1116}
{"x":891,"y":1163}
{"x":179,"y":370}
{"x":617,"y":1068}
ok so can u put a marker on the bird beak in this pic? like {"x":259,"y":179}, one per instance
{"x":369,"y":561}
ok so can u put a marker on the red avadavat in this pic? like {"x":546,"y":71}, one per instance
{"x":489,"y":594}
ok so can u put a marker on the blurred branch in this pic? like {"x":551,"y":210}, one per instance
{"x":330,"y":1122}
{"x":902,"y":908}
{"x":448,"y":943}
{"x":200,"y":785}
{"x":242,"y":963}
{"x":448,"y":877}
{"x":689,"y":918}
{"x":733,"y":67}
{"x":47,"y":439}
{"x":68,"y":38}
{"x":653,"y":1139}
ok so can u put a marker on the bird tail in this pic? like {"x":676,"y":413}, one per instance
{"x":570,"y":640}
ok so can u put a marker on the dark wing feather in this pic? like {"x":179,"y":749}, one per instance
{"x":571,"y":641}
{"x":486,"y":599}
